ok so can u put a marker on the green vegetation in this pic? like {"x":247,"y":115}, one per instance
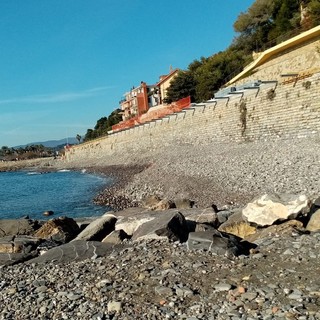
{"x":243,"y":117}
{"x":28,"y":152}
{"x":183,"y":86}
{"x":78,"y":137}
{"x":264,"y":24}
{"x":103,"y":125}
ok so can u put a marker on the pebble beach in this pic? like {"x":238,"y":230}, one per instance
{"x":161,"y":280}
{"x":208,"y":173}
{"x":158,"y":279}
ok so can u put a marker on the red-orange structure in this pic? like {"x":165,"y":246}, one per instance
{"x":145,"y":103}
{"x":153,"y":114}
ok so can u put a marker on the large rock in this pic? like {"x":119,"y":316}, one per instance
{"x":183,"y":203}
{"x":7,"y":245}
{"x":130,"y":219}
{"x":314,"y":222}
{"x":98,"y":229}
{"x":316,"y":202}
{"x":150,"y":201}
{"x":84,"y":222}
{"x":155,"y":203}
{"x":219,"y":243}
{"x":48,"y":213}
{"x":200,"y":219}
{"x":201,"y":227}
{"x":268,"y":209}
{"x":237,"y":226}
{"x":61,"y":230}
{"x":14,"y":227}
{"x":130,"y":225}
{"x":171,"y":224}
{"x":286,"y":228}
{"x":164,"y":204}
{"x":14,"y":258}
{"x":224,"y":215}
{"x":116,"y":237}
{"x":18,"y":244}
{"x":74,"y":251}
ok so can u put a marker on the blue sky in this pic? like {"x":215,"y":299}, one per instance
{"x":64,"y":64}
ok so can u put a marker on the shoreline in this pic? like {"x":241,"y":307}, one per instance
{"x":157,"y":278}
{"x":222,"y":174}
{"x":108,"y":195}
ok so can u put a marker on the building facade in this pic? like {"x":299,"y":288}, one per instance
{"x":164,"y":83}
{"x":138,"y":101}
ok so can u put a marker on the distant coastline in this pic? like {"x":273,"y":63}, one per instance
{"x":221,"y":174}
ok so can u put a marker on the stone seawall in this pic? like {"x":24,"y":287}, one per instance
{"x":285,"y":111}
{"x":300,"y":59}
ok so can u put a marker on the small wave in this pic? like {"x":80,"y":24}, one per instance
{"x":83,"y":170}
{"x":33,"y":173}
{"x":63,"y":170}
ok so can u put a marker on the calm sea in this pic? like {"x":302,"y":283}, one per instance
{"x":64,"y":192}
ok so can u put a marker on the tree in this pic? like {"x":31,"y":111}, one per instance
{"x":215,"y":72}
{"x":286,"y":17}
{"x":183,"y":85}
{"x":114,"y":118}
{"x":28,"y":152}
{"x":103,"y":125}
{"x":265,"y":23}
{"x":257,"y":16}
{"x":254,"y":25}
{"x":5,"y":150}
{"x":314,"y":12}
{"x":89,"y":135}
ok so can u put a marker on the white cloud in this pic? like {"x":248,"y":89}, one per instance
{"x":62,"y":125}
{"x":22,"y":116}
{"x":57,"y":97}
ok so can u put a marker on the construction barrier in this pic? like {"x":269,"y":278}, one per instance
{"x":153,"y":114}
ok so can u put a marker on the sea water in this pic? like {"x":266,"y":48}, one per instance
{"x":66,"y":193}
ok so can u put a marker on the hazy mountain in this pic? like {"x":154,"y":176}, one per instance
{"x":51,"y":143}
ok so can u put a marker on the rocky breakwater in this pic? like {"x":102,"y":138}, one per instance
{"x":255,"y":262}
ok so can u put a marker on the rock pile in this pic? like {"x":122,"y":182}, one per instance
{"x":226,"y":232}
{"x":170,"y":264}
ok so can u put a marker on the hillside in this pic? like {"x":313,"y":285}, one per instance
{"x":51,"y":143}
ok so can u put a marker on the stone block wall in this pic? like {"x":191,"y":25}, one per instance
{"x":300,"y":59}
{"x":275,"y":111}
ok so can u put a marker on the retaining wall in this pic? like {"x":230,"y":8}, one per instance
{"x":289,"y":110}
{"x":302,"y":58}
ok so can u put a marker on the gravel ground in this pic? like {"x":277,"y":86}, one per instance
{"x":223,"y":174}
{"x":160,"y":280}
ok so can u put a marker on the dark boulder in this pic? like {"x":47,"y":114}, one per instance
{"x":18,"y":244}
{"x":48,"y":213}
{"x":74,"y":251}
{"x":14,"y":227}
{"x":15,"y":258}
{"x":219,"y":243}
{"x":170,"y":223}
{"x":98,"y":229}
{"x":62,"y":230}
{"x":116,"y":237}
